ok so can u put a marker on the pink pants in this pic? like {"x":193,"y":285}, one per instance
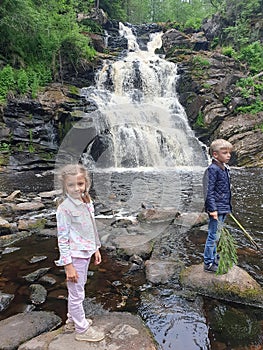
{"x":76,"y":295}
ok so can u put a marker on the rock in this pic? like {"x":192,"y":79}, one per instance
{"x":18,"y":329}
{"x":5,"y":227}
{"x":49,"y":194}
{"x":31,"y":224}
{"x":48,"y":280}
{"x":130,"y":245}
{"x":38,"y":294}
{"x":123,"y":331}
{"x":192,"y":219}
{"x":36,"y":259}
{"x":158,"y":271}
{"x":5,"y":300}
{"x":237,"y":285}
{"x":13,"y":196}
{"x":34,"y":276}
{"x":158,"y":214}
{"x":175,"y":38}
{"x":28,"y":206}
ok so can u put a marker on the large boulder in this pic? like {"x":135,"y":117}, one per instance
{"x":18,"y":329}
{"x":236,"y":285}
{"x":123,"y":331}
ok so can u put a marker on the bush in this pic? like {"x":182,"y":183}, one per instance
{"x":7,"y":81}
{"x":229,"y":51}
{"x":253,"y":55}
{"x":22,"y":82}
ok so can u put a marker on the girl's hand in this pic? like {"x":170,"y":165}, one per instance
{"x":97,"y":258}
{"x":71,"y":273}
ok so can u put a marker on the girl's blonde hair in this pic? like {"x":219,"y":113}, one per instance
{"x":219,"y":144}
{"x":74,"y":169}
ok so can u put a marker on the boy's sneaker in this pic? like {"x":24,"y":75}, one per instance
{"x":91,"y":334}
{"x":210,"y":267}
{"x":70,"y":326}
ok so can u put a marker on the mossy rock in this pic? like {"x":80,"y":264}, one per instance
{"x":236,"y":285}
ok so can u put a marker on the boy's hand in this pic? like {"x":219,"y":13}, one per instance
{"x":97,"y":258}
{"x":71,"y":273}
{"x":214,"y":215}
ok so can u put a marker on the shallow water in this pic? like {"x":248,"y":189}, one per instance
{"x":177,"y":322}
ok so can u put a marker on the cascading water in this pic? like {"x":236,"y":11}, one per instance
{"x":138,"y":107}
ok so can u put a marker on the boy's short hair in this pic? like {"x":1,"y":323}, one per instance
{"x":219,"y":144}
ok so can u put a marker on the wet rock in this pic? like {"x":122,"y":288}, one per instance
{"x":48,"y":280}
{"x":158,"y":271}
{"x":28,"y":206}
{"x":237,"y":285}
{"x":34,"y":276}
{"x":136,"y":259}
{"x":49,"y":194}
{"x":161,"y":214}
{"x":20,"y":328}
{"x":38,"y":294}
{"x":130,"y":245}
{"x":175,"y":38}
{"x":192,"y":219}
{"x":123,"y":331}
{"x":31,"y":224}
{"x":13,"y":196}
{"x":48,"y":232}
{"x":9,"y":250}
{"x":5,"y":227}
{"x":36,"y":259}
{"x":5,"y":300}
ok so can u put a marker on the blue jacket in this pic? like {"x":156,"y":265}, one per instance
{"x":217,"y":192}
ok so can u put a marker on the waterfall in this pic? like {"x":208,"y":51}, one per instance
{"x":139,"y":119}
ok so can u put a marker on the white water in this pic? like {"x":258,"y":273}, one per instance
{"x":137,"y":98}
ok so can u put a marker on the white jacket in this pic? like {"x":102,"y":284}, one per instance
{"x":76,"y":230}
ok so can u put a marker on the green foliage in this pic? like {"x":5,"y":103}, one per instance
{"x":253,"y":55}
{"x":4,"y":147}
{"x":7,"y":81}
{"x":200,"y":120}
{"x":227,"y":249}
{"x":226,"y":100}
{"x":35,"y":36}
{"x":259,"y":127}
{"x":114,"y":8}
{"x":229,"y":51}
{"x":254,"y":108}
{"x":193,"y":23}
{"x":22,"y":82}
{"x":251,"y":89}
{"x":200,"y":61}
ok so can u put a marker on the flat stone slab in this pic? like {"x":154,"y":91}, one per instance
{"x":18,"y":329}
{"x":236,"y":285}
{"x":124,"y":331}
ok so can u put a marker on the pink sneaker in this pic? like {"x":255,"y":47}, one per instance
{"x":91,"y":334}
{"x":70,"y":327}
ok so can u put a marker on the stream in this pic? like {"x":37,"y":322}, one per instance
{"x":177,"y":321}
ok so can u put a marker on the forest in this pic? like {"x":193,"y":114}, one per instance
{"x":39,"y":36}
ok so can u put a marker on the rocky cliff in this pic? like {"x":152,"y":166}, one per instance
{"x":32,"y":130}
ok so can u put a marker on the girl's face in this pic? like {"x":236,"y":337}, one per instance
{"x":75,"y":185}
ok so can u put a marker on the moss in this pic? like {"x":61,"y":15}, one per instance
{"x":38,"y":224}
{"x":235,"y":292}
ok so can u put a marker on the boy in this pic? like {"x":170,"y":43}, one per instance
{"x":217,"y":198}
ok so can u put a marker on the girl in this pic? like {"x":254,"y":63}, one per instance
{"x":77,"y":241}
